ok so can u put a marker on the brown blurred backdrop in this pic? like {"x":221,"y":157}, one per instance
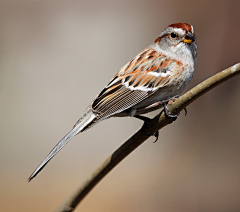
{"x":56,"y":56}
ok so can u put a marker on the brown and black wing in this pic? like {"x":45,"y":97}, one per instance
{"x":136,"y":81}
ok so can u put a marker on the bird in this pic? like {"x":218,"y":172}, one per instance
{"x":158,"y":73}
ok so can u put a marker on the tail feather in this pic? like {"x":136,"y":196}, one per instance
{"x":84,"y":121}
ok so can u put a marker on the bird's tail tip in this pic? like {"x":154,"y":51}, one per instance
{"x":85,"y":120}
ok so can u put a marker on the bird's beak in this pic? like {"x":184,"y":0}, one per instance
{"x":189,"y":38}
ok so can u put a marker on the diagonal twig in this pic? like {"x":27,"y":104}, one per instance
{"x":138,"y":138}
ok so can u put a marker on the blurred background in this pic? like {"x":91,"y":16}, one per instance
{"x":56,"y":56}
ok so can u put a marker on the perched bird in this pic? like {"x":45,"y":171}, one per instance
{"x":157,"y":74}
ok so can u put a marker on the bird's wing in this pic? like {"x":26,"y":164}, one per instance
{"x":136,"y":81}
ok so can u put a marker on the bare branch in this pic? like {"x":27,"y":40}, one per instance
{"x":138,"y":138}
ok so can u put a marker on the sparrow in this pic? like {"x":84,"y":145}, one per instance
{"x":157,"y":74}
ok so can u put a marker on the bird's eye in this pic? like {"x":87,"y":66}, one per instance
{"x":173,"y":35}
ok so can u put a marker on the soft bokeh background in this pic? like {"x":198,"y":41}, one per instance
{"x":56,"y":56}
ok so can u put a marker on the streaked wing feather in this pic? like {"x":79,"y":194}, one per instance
{"x":121,"y":99}
{"x":136,"y":81}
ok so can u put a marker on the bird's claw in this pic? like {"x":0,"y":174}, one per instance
{"x":168,"y":114}
{"x":185,"y":109}
{"x":146,"y":121}
{"x":156,"y":134}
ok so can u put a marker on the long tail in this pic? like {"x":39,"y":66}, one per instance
{"x":81,"y":124}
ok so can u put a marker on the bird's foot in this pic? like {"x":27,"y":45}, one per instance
{"x":168,"y":114}
{"x":146,"y":121}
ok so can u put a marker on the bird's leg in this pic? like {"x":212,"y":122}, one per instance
{"x":165,"y":102}
{"x":146,"y":121}
{"x":168,"y":114}
{"x":157,"y":104}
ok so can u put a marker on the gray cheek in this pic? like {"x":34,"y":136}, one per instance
{"x":164,"y":44}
